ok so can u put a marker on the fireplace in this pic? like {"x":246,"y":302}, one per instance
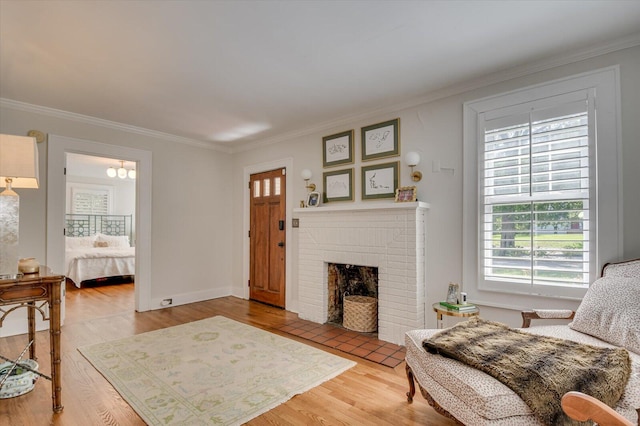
{"x":348,"y":280}
{"x":388,"y":236}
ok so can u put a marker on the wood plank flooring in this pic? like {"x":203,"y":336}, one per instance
{"x":368,"y":394}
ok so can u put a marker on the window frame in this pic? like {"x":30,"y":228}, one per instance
{"x":604,"y":85}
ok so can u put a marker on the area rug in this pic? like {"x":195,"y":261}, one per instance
{"x":212,"y":371}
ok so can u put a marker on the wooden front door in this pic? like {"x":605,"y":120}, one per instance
{"x":267,"y":233}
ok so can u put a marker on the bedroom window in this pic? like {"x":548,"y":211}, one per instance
{"x":539,"y":214}
{"x":90,"y":201}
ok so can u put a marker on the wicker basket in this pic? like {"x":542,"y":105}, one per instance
{"x":360,"y":313}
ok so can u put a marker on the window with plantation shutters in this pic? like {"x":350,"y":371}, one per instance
{"x":535,"y":180}
{"x":537,"y":163}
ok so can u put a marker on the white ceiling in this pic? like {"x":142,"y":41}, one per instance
{"x":226,"y":73}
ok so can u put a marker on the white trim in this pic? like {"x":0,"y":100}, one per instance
{"x":606,"y":82}
{"x":287,"y":164}
{"x":58,"y":146}
{"x":86,"y":119}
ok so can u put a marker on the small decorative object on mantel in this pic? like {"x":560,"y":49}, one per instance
{"x":337,"y":149}
{"x":381,"y":140}
{"x":406,"y":194}
{"x":313,"y":199}
{"x":28,"y":265}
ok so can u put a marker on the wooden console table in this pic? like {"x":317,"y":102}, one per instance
{"x":41,"y":287}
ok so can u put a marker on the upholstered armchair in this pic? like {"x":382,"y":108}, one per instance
{"x":608,"y":317}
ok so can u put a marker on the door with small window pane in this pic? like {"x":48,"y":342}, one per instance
{"x":267,"y":235}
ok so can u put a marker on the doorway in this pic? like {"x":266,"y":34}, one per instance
{"x":267,"y":237}
{"x":58,"y":146}
{"x":100,"y":211}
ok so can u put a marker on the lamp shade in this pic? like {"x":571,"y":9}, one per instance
{"x":306,"y":174}
{"x":18,"y":161}
{"x":412,"y":158}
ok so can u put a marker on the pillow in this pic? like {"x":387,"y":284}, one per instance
{"x":113,"y":240}
{"x":610,"y":311}
{"x":101,"y":244}
{"x":79,"y":243}
{"x":628,"y":269}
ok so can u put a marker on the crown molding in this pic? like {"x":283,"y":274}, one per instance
{"x":71,"y":116}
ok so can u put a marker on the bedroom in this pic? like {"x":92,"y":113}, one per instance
{"x":100,"y":220}
{"x":196,"y":195}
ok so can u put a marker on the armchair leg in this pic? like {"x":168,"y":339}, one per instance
{"x":412,"y":386}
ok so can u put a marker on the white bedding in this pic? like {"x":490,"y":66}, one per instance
{"x":98,"y":262}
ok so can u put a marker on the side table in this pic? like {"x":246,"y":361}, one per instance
{"x":44,"y":287}
{"x":443,"y":310}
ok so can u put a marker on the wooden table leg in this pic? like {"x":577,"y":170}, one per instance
{"x":31,"y":319}
{"x":55,"y":330}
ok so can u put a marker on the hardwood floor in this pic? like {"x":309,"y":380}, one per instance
{"x":368,"y":394}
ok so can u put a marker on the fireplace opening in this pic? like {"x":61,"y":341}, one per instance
{"x":351,"y":280}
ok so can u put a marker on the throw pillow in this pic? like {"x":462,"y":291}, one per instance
{"x":610,"y":311}
{"x":114,"y":240}
{"x":101,"y":244}
{"x":79,"y":243}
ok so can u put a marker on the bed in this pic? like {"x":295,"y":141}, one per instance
{"x":98,"y":249}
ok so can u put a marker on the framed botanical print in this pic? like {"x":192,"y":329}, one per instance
{"x":337,"y":149}
{"x":338,"y":185}
{"x":380,"y":181}
{"x":381,"y":140}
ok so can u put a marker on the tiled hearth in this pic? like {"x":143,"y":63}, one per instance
{"x":363,"y":345}
{"x":389,"y":236}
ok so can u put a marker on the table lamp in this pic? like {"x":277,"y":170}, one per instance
{"x":18,"y":169}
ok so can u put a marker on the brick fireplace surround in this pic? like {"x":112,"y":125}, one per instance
{"x":389,"y":236}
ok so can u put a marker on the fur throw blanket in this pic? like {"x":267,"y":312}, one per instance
{"x":539,"y":369}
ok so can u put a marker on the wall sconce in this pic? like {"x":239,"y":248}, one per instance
{"x":413,"y":159}
{"x":306,"y":175}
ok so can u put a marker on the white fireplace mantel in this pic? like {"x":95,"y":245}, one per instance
{"x":386,"y":235}
{"x":340,"y":207}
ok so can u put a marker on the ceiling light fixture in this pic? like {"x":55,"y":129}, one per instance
{"x":121,"y":172}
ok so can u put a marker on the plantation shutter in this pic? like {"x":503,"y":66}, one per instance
{"x":89,"y":201}
{"x":536,"y":179}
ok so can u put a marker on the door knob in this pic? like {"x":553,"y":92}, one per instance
{"x":281,"y":244}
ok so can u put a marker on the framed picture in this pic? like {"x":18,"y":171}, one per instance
{"x":338,"y":185}
{"x":406,"y":194}
{"x":313,"y":199}
{"x":380,"y":181}
{"x":337,"y":149}
{"x":381,"y":140}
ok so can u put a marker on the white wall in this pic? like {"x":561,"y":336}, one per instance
{"x":434,"y":129}
{"x":190,"y":215}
